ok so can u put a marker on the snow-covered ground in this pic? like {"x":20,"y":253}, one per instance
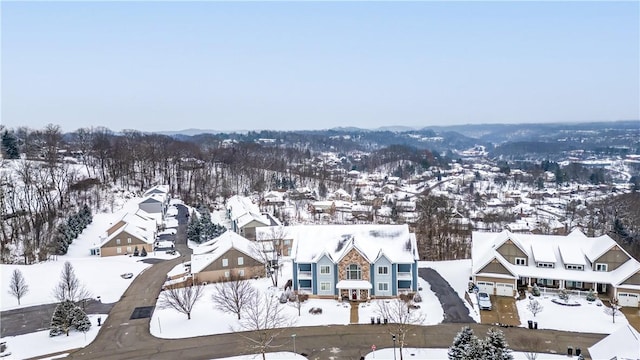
{"x":269,"y":356}
{"x":100,"y":275}
{"x":588,"y":317}
{"x":39,"y":343}
{"x":439,"y":354}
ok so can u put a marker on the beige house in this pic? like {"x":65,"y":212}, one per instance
{"x":125,"y":239}
{"x":245,"y":216}
{"x":503,"y":263}
{"x":228,"y":255}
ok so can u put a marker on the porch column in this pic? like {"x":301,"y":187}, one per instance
{"x":529,"y":281}
{"x":561,"y":284}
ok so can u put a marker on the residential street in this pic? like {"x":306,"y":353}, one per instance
{"x":122,"y":338}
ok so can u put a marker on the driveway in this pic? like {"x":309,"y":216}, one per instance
{"x":455,"y":311}
{"x":504,"y":311}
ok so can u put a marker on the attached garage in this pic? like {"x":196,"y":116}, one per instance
{"x":504,"y":289}
{"x":628,"y":299}
{"x":485,"y":286}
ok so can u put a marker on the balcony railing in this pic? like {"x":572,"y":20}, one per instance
{"x":304,"y":274}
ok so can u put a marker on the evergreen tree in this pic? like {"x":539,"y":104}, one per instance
{"x":496,"y":346}
{"x":10,"y":145}
{"x":68,"y":316}
{"x":79,"y":319}
{"x":136,"y":252}
{"x":194,"y":229}
{"x":461,"y":342}
{"x":143,"y":253}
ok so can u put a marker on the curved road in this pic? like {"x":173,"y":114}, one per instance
{"x":122,"y":338}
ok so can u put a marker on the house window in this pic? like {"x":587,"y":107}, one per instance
{"x":227,"y":274}
{"x":241,"y":273}
{"x":225,"y":262}
{"x":287,"y":242}
{"x":383,"y":270}
{"x":325,"y":269}
{"x":240,"y":260}
{"x":575,"y":267}
{"x":545,"y":282}
{"x":354,"y":272}
{"x":325,"y":286}
{"x":129,"y":249}
{"x":119,"y":250}
{"x":574,"y":284}
{"x":383,"y":286}
{"x":545,"y":265}
{"x":521,"y":261}
{"x":128,"y":240}
{"x":601,"y":267}
{"x":117,"y":241}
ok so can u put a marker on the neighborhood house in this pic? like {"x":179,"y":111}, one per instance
{"x":503,"y":263}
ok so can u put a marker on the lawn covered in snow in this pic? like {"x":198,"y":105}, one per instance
{"x":440,"y":354}
{"x":39,"y":343}
{"x":100,"y":275}
{"x":588,"y":317}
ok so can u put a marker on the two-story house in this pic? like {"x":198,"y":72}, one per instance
{"x":245,"y":216}
{"x":226,"y":256}
{"x":502,"y":262}
{"x":354,"y":262}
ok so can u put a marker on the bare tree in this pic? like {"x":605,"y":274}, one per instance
{"x":17,"y":285}
{"x":269,"y":250}
{"x":233,"y":294}
{"x":535,"y":307}
{"x":264,"y":320}
{"x":181,"y":299}
{"x":614,"y":310}
{"x":401,"y":318}
{"x":298,"y":300}
{"x":69,"y":287}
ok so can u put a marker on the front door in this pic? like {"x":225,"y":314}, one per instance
{"x":354,"y":294}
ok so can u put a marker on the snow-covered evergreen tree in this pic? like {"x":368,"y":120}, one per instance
{"x":79,"y":319}
{"x":496,"y":346}
{"x":143,"y":253}
{"x":461,"y":342}
{"x":68,"y":316}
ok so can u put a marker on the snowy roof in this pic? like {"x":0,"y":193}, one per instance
{"x":140,"y":221}
{"x":622,"y":344}
{"x":393,"y":241}
{"x":146,"y":236}
{"x":243,"y":211}
{"x":543,"y":252}
{"x":158,"y":189}
{"x":599,"y":247}
{"x":563,"y":250}
{"x":353,"y":284}
{"x":220,"y":246}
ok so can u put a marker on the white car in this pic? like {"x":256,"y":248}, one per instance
{"x":484,"y":302}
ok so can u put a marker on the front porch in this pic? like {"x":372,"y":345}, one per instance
{"x":354,"y":290}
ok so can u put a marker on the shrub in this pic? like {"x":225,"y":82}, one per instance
{"x":417,"y":298}
{"x":143,"y":252}
{"x":315,"y":311}
{"x":406,"y":297}
{"x":563,"y":295}
{"x":535,"y":290}
{"x":591,"y":296}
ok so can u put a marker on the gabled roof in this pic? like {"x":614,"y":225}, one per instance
{"x":220,"y":246}
{"x":243,"y":211}
{"x":505,"y":236}
{"x":133,"y":230}
{"x":158,"y":189}
{"x":622,"y":344}
{"x":311,"y":241}
{"x":153,"y":198}
{"x":479,"y":266}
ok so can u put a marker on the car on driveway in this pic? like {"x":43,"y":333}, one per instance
{"x":127,"y":275}
{"x":484,"y":302}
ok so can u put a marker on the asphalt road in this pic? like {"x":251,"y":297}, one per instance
{"x":37,"y":318}
{"x":122,"y":338}
{"x":455,"y":311}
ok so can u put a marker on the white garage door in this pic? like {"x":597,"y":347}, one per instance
{"x":628,"y":299}
{"x":484,"y":286}
{"x":504,"y":289}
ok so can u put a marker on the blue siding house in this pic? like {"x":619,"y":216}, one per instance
{"x":355,"y":262}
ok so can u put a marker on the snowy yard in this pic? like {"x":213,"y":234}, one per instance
{"x":101,"y":275}
{"x":439,"y":354}
{"x":588,"y":317}
{"x":22,"y":347}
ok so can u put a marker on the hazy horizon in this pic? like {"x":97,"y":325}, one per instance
{"x":224,"y":66}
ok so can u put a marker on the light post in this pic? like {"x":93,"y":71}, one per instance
{"x":393,"y":337}
{"x":294,"y":342}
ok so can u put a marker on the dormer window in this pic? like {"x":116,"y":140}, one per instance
{"x":521,"y":261}
{"x":545,"y":265}
{"x":574,"y":267}
{"x":601,"y":267}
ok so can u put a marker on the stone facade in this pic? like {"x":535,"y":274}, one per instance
{"x":353,"y":257}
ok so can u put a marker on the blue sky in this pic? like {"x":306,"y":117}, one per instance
{"x":315,"y":65}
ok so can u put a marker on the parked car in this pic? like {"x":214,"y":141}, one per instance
{"x":484,"y":302}
{"x":127,"y":275}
